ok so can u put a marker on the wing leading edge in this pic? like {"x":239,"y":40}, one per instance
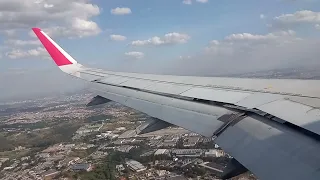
{"x":270,"y":126}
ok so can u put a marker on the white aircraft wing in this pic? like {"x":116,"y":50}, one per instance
{"x":270,"y":126}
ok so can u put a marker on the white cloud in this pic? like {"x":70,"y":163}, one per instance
{"x":188,"y":2}
{"x":243,"y":52}
{"x":78,"y":28}
{"x":257,"y":37}
{"x":134,"y":54}
{"x":288,"y":21}
{"x":15,"y":42}
{"x":20,"y":54}
{"x":262,"y":16}
{"x":38,"y":52}
{"x":298,"y":17}
{"x":72,"y":14}
{"x":184,"y":57}
{"x":170,"y":38}
{"x":246,"y":42}
{"x":9,"y":32}
{"x":48,"y":6}
{"x":202,"y":1}
{"x":121,"y":11}
{"x":116,"y":37}
{"x":317,"y":26}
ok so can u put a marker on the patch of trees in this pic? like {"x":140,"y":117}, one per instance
{"x":43,"y":138}
{"x":106,"y":170}
{"x":5,"y":144}
{"x":31,"y":126}
{"x":97,"y":118}
{"x":194,"y":172}
{"x":60,"y":133}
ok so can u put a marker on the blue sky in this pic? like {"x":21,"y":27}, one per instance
{"x":209,"y":37}
{"x":203,"y":22}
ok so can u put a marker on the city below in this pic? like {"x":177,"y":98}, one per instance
{"x":61,"y":138}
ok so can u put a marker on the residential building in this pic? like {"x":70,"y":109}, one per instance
{"x":135,"y":166}
{"x":81,"y":167}
{"x":50,"y":174}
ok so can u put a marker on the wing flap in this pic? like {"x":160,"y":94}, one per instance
{"x":216,"y":95}
{"x":167,"y":88}
{"x":178,"y":112}
{"x":137,"y":83}
{"x":257,"y":99}
{"x":271,"y":150}
{"x":115,"y":80}
{"x":294,"y":113}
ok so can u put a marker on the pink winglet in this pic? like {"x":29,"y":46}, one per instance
{"x":53,"y":49}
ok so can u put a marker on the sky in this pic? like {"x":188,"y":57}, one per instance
{"x":183,"y":37}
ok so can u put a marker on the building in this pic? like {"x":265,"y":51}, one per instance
{"x":120,"y":167}
{"x":191,"y":141}
{"x":125,"y":148}
{"x":169,"y":141}
{"x":206,"y":140}
{"x":149,"y":153}
{"x":135,"y":166}
{"x":108,"y":134}
{"x":50,"y":174}
{"x":128,"y":134}
{"x":68,"y":161}
{"x":176,"y":178}
{"x":25,"y":158}
{"x":81,"y":167}
{"x":162,"y":172}
{"x":120,"y":129}
{"x":187,"y":152}
{"x":214,"y":153}
{"x":3,"y":160}
{"x":212,"y":166}
{"x":161,"y":152}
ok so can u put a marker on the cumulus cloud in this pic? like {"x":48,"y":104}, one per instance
{"x":8,"y":32}
{"x":20,"y":54}
{"x":188,"y":2}
{"x":16,"y":42}
{"x":202,"y":1}
{"x":170,"y":38}
{"x":134,"y":54}
{"x":184,"y":57}
{"x":262,"y":16}
{"x":299,"y":17}
{"x":72,"y":15}
{"x":240,"y":53}
{"x":256,"y":37}
{"x":245,"y":52}
{"x":78,"y":28}
{"x":121,"y":11}
{"x":248,"y":42}
{"x":116,"y":37}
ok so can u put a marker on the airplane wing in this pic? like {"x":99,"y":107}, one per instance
{"x":269,"y":126}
